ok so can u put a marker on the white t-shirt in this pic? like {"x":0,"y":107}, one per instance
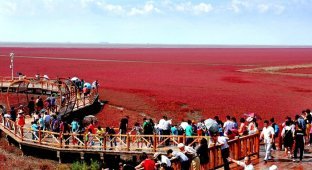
{"x":222,"y":139}
{"x":267,"y":133}
{"x":246,"y":167}
{"x":166,"y":160}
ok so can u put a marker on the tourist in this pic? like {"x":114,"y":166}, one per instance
{"x":148,"y":129}
{"x":41,"y":122}
{"x":110,"y":132}
{"x":299,"y":141}
{"x":31,"y":106}
{"x":20,"y":118}
{"x":191,"y":154}
{"x":233,"y":119}
{"x":100,"y":132}
{"x":55,"y":124}
{"x":39,"y":103}
{"x":65,"y":130}
{"x":13,"y":114}
{"x":123,"y":125}
{"x":268,"y":135}
{"x":203,"y":153}
{"x":225,"y":152}
{"x":308,"y":122}
{"x":92,"y":127}
{"x":89,"y":138}
{"x":2,"y":110}
{"x":165,"y":126}
{"x":201,"y":128}
{"x":138,"y":131}
{"x":242,"y":130}
{"x":246,"y":164}
{"x":288,"y":138}
{"x":75,"y":125}
{"x":228,"y":125}
{"x":95,"y":84}
{"x":53,"y":102}
{"x":181,"y":157}
{"x":301,"y":121}
{"x":47,"y":121}
{"x":34,"y":129}
{"x":276,"y":131}
{"x":146,"y":163}
{"x":252,"y":126}
{"x":161,"y":159}
{"x":189,"y":133}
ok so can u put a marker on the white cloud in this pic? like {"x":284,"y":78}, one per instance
{"x":8,"y":7}
{"x":263,"y":8}
{"x":203,"y":7}
{"x":111,"y":8}
{"x":146,"y":9}
{"x":194,"y":8}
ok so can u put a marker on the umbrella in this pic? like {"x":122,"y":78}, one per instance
{"x":253,"y":115}
{"x":183,"y":125}
{"x":88,"y":119}
{"x":75,"y":79}
{"x":212,"y":126}
{"x":87,"y":85}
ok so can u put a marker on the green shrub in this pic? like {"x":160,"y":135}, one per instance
{"x":84,"y":166}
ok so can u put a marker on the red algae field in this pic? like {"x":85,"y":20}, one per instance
{"x":182,"y":83}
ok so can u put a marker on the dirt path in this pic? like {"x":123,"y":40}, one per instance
{"x":277,"y":70}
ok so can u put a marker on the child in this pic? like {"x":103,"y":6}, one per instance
{"x":138,"y":131}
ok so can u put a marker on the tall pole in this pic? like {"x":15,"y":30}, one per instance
{"x":12,"y":64}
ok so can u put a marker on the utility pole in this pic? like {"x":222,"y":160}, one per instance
{"x":12,"y":64}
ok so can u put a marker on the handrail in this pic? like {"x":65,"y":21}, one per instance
{"x":239,"y":147}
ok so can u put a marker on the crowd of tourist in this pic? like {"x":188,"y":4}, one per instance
{"x":189,"y":155}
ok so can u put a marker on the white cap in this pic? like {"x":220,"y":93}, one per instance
{"x":181,"y":145}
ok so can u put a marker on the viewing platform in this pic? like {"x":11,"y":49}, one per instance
{"x":69,"y":101}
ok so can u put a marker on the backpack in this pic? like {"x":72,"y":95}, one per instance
{"x":288,"y":136}
{"x":276,"y":129}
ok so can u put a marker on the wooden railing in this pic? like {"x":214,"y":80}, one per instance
{"x":239,"y":147}
{"x":74,"y":98}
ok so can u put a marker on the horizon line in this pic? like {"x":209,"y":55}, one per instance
{"x":139,"y":45}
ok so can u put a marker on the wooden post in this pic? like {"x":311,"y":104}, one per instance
{"x":184,"y":139}
{"x":104,"y":142}
{"x":39,"y":135}
{"x":61,"y":140}
{"x":239,"y":143}
{"x":154,"y":142}
{"x":128,"y":142}
{"x":15,"y":130}
{"x":22,"y":133}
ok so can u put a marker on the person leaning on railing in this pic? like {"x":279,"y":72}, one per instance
{"x":246,"y":164}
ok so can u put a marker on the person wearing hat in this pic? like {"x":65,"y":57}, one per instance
{"x":161,"y":159}
{"x":20,"y":118}
{"x":192,"y":155}
{"x":252,"y":128}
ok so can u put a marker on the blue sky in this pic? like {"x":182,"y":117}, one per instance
{"x":230,"y":22}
